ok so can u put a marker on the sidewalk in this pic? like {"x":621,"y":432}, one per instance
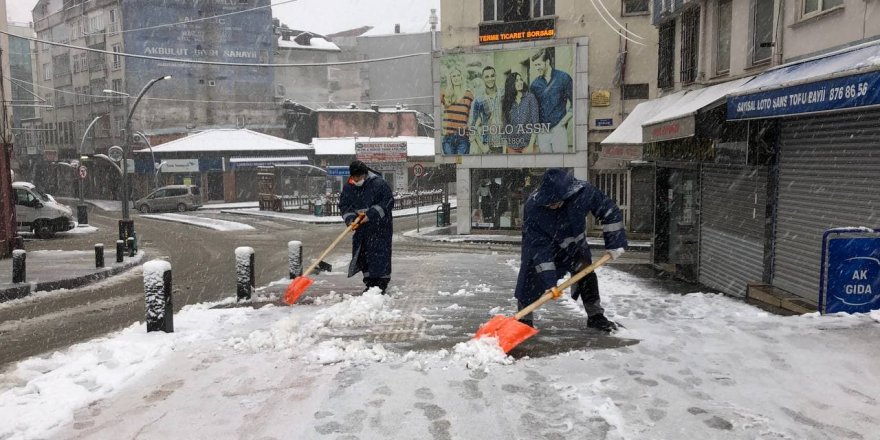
{"x":52,"y":270}
{"x":447,"y":234}
{"x":428,"y":210}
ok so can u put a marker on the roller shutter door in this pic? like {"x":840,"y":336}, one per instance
{"x":829,"y":176}
{"x":732,"y":227}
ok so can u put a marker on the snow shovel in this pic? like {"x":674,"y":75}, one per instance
{"x":302,"y":282}
{"x":510,"y":332}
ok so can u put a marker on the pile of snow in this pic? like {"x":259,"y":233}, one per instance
{"x":480,"y":353}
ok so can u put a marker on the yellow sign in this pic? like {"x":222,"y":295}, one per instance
{"x":601,"y":98}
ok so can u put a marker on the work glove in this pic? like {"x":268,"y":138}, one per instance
{"x":616,"y":253}
{"x":359,"y":220}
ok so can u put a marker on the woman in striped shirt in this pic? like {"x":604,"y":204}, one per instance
{"x":456,"y":101}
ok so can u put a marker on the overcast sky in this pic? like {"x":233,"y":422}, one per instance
{"x":321,"y":16}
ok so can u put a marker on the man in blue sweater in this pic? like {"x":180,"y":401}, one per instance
{"x":554,"y":241}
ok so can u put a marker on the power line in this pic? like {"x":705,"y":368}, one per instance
{"x":602,"y":16}
{"x":618,"y":23}
{"x":204,"y":18}
{"x":217,"y":63}
{"x":146,"y":98}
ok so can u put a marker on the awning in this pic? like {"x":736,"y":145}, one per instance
{"x":630,"y":130}
{"x":677,"y":119}
{"x":848,"y":78}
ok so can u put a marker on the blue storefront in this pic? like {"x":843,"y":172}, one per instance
{"x":827,"y":110}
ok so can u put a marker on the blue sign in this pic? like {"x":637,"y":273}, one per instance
{"x":850,"y":278}
{"x":605,"y":122}
{"x":337,"y":171}
{"x":833,"y":94}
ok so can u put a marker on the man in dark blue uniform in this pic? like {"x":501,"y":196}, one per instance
{"x":554,"y":241}
{"x":367,"y":192}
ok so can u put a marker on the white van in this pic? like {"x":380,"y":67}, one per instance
{"x":38,"y":212}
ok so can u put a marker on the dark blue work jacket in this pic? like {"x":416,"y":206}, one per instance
{"x":554,"y":241}
{"x":371,"y":244}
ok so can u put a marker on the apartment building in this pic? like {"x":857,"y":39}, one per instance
{"x":764,"y":137}
{"x":82,"y":85}
{"x":581,"y":66}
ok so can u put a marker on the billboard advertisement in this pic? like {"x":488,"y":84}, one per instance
{"x":508,"y":101}
{"x":238,"y":38}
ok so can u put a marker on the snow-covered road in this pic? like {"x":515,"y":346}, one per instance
{"x":696,"y":366}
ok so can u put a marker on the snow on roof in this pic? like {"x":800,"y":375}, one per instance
{"x":227,"y":140}
{"x":315,"y":43}
{"x":861,"y":58}
{"x":692,"y":101}
{"x":416,"y":146}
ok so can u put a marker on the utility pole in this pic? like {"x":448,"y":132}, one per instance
{"x":8,"y":230}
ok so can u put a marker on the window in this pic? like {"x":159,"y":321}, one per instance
{"x":96,"y":59}
{"x":96,"y":23}
{"x":762,"y":30}
{"x":666,"y":55}
{"x":814,"y":6}
{"x":47,"y":72}
{"x":543,"y":8}
{"x":722,"y":39}
{"x":690,"y":40}
{"x":635,"y":91}
{"x":516,"y":10}
{"x":490,"y":10}
{"x":117,"y":86}
{"x":633,"y":7}
{"x":117,"y":59}
{"x":113,"y":21}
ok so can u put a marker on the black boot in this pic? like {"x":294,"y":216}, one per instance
{"x":601,"y":323}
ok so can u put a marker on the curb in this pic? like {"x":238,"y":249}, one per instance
{"x":25,"y":289}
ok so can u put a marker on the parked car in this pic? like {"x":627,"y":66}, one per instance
{"x":171,"y":198}
{"x":38,"y":212}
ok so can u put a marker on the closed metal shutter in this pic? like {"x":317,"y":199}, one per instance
{"x":828,"y":177}
{"x":732,"y":227}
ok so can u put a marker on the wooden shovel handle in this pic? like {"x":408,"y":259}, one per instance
{"x":333,"y":245}
{"x":548,"y":295}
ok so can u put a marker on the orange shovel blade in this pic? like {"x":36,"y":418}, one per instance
{"x":296,"y":288}
{"x":509,"y":331}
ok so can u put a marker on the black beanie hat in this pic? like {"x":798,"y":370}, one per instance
{"x":357,"y":168}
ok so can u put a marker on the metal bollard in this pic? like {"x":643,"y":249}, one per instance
{"x":244,"y":272}
{"x":19,"y":266}
{"x":294,"y":258}
{"x":120,"y":250}
{"x":99,"y":255}
{"x":157,"y":296}
{"x":131,"y":249}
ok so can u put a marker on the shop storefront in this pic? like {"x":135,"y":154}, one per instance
{"x":827,"y":113}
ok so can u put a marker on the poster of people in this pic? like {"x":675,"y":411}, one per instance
{"x":508,"y":102}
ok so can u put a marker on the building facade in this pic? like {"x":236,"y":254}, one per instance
{"x":759,"y":179}
{"x":579,"y":68}
{"x":83,"y":85}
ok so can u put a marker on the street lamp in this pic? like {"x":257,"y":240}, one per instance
{"x":143,"y":137}
{"x":82,"y":213}
{"x":126,"y":226}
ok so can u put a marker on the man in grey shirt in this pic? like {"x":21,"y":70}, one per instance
{"x":486,"y":116}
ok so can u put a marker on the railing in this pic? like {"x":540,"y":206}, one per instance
{"x":329,"y":205}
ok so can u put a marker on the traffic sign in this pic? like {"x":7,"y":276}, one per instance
{"x":337,"y":171}
{"x":115,"y":153}
{"x":418,"y":170}
{"x":83,"y":172}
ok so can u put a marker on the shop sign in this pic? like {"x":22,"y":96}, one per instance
{"x":600,"y":98}
{"x":684,"y":150}
{"x":833,"y":94}
{"x":674,"y":129}
{"x":380,"y":152}
{"x":181,"y":166}
{"x":850,"y":271}
{"x":51,"y":155}
{"x":621,"y":152}
{"x":509,"y":32}
{"x":338,"y":171}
